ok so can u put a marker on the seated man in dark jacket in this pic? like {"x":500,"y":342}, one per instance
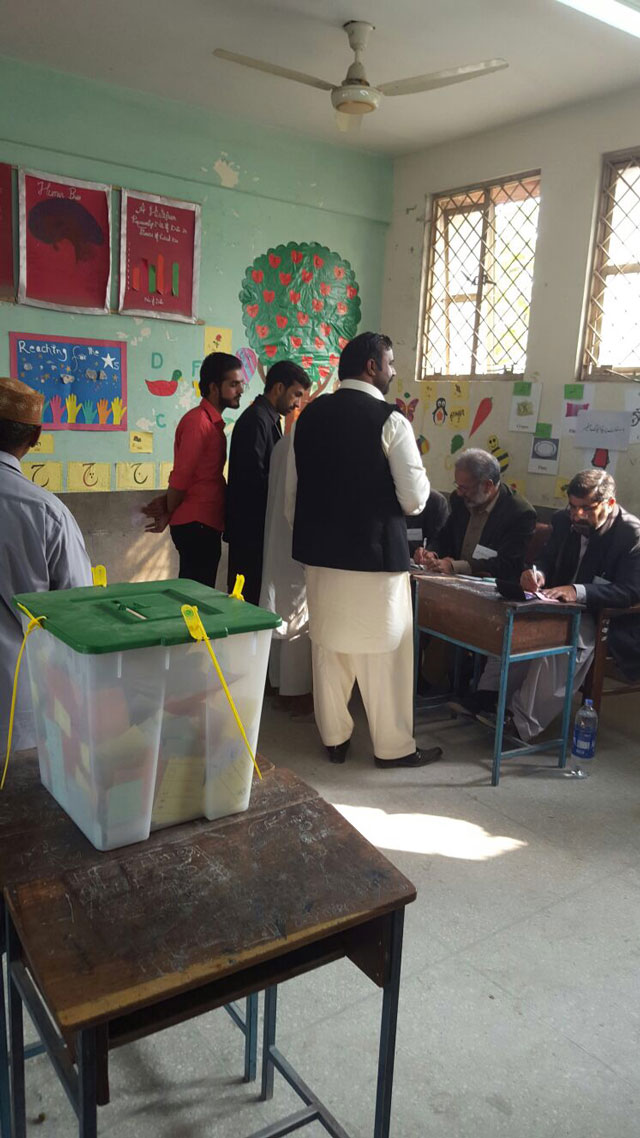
{"x":423,"y":529}
{"x":488,"y":528}
{"x":593,"y":557}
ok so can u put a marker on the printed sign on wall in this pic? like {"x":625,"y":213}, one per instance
{"x":159,"y":256}
{"x":65,"y":243}
{"x":84,"y":382}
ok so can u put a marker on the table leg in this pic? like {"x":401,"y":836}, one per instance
{"x":386,"y":1054}
{"x":5,"y":1093}
{"x":502,"y":698}
{"x":16,"y":1038}
{"x":568,"y":691}
{"x":416,"y":644}
{"x":251,"y":1038}
{"x":268,"y":1041}
{"x":87,"y":1083}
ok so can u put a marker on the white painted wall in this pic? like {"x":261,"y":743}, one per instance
{"x":567,"y":147}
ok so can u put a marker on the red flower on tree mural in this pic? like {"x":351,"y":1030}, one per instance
{"x":301,"y":302}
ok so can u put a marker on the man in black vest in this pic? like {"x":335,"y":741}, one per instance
{"x":254,"y":436}
{"x":358,"y":472}
{"x":593,"y":557}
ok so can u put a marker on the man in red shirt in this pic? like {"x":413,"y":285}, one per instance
{"x":194,"y":505}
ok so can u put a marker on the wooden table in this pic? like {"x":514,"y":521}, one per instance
{"x":153,"y":934}
{"x":37,"y":838}
{"x":471,"y":614}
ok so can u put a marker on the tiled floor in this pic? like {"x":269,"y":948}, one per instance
{"x":520,"y":1009}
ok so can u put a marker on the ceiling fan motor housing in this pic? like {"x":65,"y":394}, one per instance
{"x":351,"y":99}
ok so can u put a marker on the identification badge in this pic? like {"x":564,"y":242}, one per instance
{"x":483,"y":553}
{"x":414,"y":535}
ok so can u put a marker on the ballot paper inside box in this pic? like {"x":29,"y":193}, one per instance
{"x":134,"y":728}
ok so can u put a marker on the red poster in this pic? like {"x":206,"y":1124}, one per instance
{"x":159,"y":256}
{"x":65,"y":243}
{"x":7,"y":287}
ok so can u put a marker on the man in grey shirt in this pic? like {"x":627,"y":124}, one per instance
{"x":41,"y":547}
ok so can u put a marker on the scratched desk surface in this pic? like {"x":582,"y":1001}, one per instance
{"x":108,"y":933}
{"x":475,"y":613}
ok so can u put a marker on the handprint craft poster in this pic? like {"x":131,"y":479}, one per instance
{"x":84,"y":382}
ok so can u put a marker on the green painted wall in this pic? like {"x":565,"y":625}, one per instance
{"x":257,"y":187}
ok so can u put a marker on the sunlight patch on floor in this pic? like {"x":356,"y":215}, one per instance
{"x":428,"y":834}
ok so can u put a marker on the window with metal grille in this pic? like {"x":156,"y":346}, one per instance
{"x":612,"y":341}
{"x":479,"y":276}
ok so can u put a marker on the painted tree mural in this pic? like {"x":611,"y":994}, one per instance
{"x":301,"y":302}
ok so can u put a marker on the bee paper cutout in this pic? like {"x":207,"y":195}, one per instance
{"x":498,"y":452}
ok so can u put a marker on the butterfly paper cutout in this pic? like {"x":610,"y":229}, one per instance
{"x":408,"y":409}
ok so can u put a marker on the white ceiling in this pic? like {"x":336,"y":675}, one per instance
{"x":556,"y":56}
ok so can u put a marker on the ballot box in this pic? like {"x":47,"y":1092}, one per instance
{"x":133,"y":724}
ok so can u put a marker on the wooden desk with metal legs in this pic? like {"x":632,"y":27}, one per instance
{"x":471,"y":614}
{"x":153,"y":935}
{"x":37,"y":838}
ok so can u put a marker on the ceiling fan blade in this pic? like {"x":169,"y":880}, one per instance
{"x":273,"y":69}
{"x":442,"y":78}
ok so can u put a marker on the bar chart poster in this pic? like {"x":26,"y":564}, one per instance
{"x":65,"y":243}
{"x":159,"y":257}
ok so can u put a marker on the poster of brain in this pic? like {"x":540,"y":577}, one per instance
{"x":65,"y":243}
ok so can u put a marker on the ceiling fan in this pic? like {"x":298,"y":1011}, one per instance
{"x":355,"y":95}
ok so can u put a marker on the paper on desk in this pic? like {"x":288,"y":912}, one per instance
{"x":540,"y":596}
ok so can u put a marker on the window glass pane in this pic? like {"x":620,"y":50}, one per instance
{"x":482,"y":246}
{"x":613,"y":326}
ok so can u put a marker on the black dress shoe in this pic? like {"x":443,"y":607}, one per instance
{"x":419,"y":758}
{"x":338,"y":754}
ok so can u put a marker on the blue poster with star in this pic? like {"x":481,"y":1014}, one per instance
{"x":84,"y":382}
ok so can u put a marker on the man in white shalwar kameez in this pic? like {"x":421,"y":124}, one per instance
{"x":284,"y":588}
{"x":41,"y":547}
{"x":354,"y":472}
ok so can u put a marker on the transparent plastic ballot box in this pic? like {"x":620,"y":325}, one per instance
{"x":134,"y":729}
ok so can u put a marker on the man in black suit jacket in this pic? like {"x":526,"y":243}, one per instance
{"x":593,"y":557}
{"x":488,"y":528}
{"x":423,"y":529}
{"x":254,"y":436}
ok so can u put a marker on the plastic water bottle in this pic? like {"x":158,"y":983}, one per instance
{"x":585,"y":729}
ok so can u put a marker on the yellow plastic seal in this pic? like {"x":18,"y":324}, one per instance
{"x":99,"y":574}
{"x":193,"y":621}
{"x":236,"y":592}
{"x":34,"y":622}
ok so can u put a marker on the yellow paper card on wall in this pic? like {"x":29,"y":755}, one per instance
{"x":428,"y":391}
{"x":562,"y":482}
{"x":459,"y":390}
{"x":83,"y":477}
{"x":216,"y":339}
{"x":517,"y":484}
{"x":141,"y":442}
{"x":44,"y":445}
{"x":46,"y":474}
{"x":459,"y":416}
{"x":135,"y":476}
{"x":165,"y":471}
